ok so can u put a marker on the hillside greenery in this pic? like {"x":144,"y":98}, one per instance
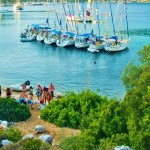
{"x":12,"y":111}
{"x":106,"y":123}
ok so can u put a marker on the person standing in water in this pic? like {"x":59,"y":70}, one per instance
{"x":51,"y":89}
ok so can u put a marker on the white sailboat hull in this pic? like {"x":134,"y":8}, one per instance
{"x":118,"y":47}
{"x":81,"y":45}
{"x":40,"y":37}
{"x":65,"y":43}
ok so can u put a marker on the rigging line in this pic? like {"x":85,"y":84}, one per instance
{"x":71,"y":15}
{"x":56,"y":13}
{"x":84,"y":17}
{"x":126,"y":19}
{"x":112,"y":18}
{"x":97,"y":12}
{"x":66,"y":17}
{"x":117,"y":10}
{"x":74,"y":17}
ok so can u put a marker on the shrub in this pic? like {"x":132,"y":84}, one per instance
{"x":12,"y":134}
{"x":11,"y":110}
{"x":74,"y":110}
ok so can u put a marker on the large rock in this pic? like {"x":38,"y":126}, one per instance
{"x":46,"y":138}
{"x":40,"y":129}
{"x":28,"y":136}
{"x":122,"y":148}
{"x":6,"y":142}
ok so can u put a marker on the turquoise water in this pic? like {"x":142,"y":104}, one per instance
{"x":69,"y":69}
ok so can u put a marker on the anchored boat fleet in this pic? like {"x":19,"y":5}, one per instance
{"x":91,"y":41}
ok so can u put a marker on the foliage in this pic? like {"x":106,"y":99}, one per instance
{"x":111,"y":121}
{"x":12,"y":134}
{"x":77,"y":143}
{"x":11,"y":110}
{"x":32,"y":144}
{"x":74,"y":110}
{"x":137,"y":101}
{"x":28,"y":144}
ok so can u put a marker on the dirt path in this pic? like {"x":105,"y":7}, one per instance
{"x":57,"y":133}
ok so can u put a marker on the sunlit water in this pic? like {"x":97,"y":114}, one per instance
{"x":70,"y":69}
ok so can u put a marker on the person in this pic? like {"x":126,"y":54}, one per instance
{"x":8,"y":93}
{"x":22,"y":98}
{"x":0,"y":91}
{"x":31,"y":91}
{"x":23,"y":87}
{"x":51,"y":90}
{"x":46,"y":95}
{"x":30,"y":101}
{"x":39,"y":91}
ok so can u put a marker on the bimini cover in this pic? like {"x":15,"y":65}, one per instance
{"x":70,"y":34}
{"x":40,"y":26}
{"x":99,"y":37}
{"x":85,"y":35}
{"x":56,"y":31}
{"x":114,"y":37}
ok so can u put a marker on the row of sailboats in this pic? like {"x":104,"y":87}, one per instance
{"x":91,"y":41}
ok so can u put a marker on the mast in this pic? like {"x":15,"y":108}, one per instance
{"x":106,"y":19}
{"x":126,"y":19}
{"x":97,"y":14}
{"x":112,"y":18}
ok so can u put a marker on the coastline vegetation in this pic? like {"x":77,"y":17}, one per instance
{"x":104,"y":123}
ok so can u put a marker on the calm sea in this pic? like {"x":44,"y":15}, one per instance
{"x":69,"y":69}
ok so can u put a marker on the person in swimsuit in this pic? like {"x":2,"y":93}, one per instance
{"x":39,"y":91}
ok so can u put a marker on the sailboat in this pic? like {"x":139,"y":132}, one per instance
{"x":67,"y":38}
{"x":118,"y":44}
{"x":97,"y":41}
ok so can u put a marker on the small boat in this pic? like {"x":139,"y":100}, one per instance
{"x":27,"y":38}
{"x":66,"y":39}
{"x":18,"y":87}
{"x":17,"y":6}
{"x":52,"y":36}
{"x":97,"y":43}
{"x":83,"y":40}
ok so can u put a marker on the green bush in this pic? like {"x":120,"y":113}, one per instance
{"x":11,"y":110}
{"x":12,"y":134}
{"x":77,"y":143}
{"x":74,"y":110}
{"x":32,"y":144}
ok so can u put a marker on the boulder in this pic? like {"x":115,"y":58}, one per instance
{"x":122,"y":148}
{"x":40,"y":129}
{"x":46,"y":138}
{"x":28,"y":136}
{"x":6,"y":142}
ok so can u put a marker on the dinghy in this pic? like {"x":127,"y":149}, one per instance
{"x":18,"y":87}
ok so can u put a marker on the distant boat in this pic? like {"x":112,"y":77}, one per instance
{"x":17,"y":6}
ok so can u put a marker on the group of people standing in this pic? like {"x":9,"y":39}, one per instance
{"x":45,"y":94}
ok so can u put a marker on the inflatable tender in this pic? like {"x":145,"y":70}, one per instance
{"x":18,"y":87}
